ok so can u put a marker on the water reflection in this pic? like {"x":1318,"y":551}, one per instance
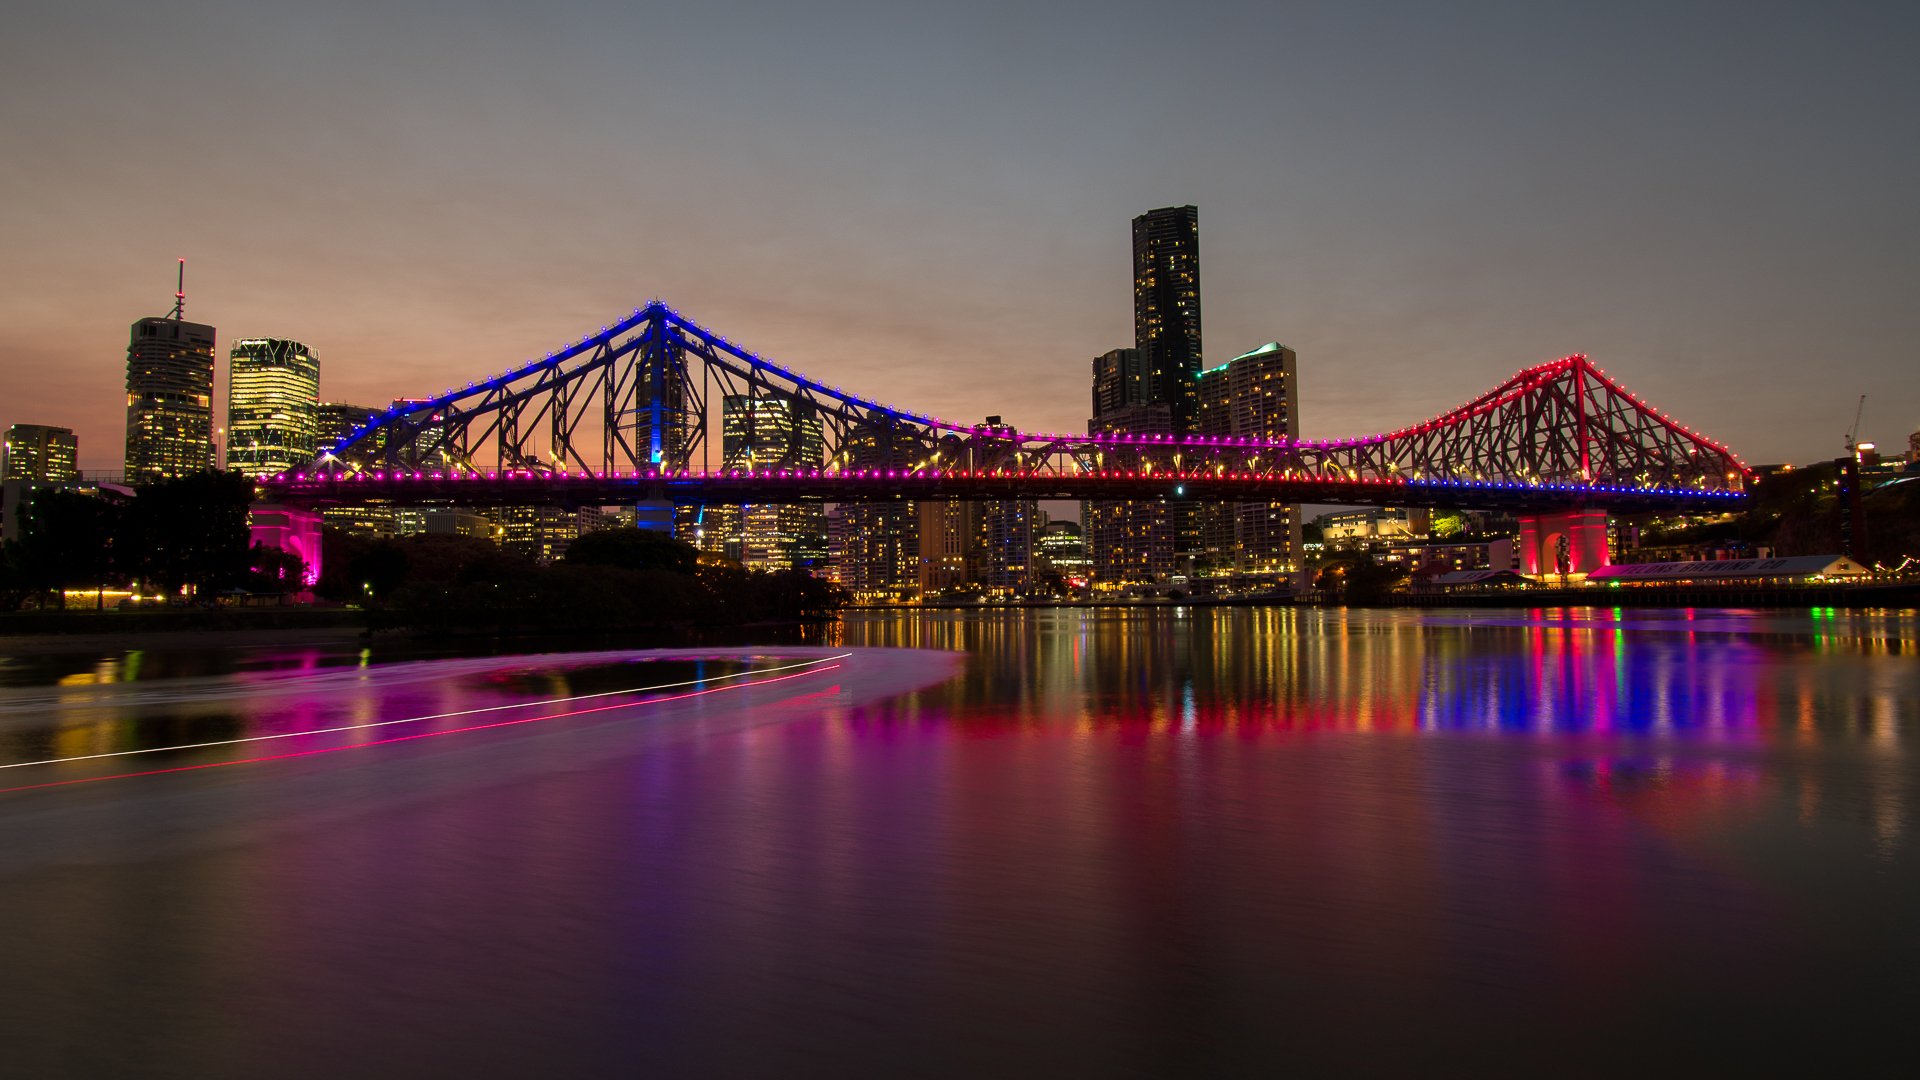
{"x":1719,"y":673}
{"x":1116,"y":843}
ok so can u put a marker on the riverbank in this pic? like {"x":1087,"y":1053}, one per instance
{"x":174,"y":621}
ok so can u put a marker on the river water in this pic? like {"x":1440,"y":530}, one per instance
{"x":1052,"y":843}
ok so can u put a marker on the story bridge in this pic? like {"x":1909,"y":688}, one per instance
{"x":629,"y":415}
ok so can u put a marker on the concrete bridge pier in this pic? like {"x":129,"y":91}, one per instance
{"x":1568,"y":542}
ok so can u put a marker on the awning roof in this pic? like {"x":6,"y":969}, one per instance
{"x":1796,"y":566}
{"x":1477,"y":577}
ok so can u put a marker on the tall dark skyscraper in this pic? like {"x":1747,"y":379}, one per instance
{"x":169,"y":396}
{"x":1150,"y":389}
{"x":1166,"y":307}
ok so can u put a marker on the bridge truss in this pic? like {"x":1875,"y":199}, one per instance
{"x":632,"y":413}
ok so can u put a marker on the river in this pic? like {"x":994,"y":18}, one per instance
{"x":1099,"y":842}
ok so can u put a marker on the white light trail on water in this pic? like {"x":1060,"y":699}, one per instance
{"x":417,"y":719}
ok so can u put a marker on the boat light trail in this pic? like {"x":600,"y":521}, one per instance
{"x":811,"y":664}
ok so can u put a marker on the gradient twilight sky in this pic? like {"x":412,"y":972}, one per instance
{"x":1720,"y":203}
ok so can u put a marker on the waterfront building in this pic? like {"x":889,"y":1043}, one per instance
{"x":540,"y":533}
{"x":879,"y":551}
{"x":1913,"y":447}
{"x":358,"y":519}
{"x":1166,"y":307}
{"x":1254,"y":395}
{"x":169,"y":398}
{"x":273,"y":406}
{"x":49,"y":455}
{"x":442,"y":521}
{"x":949,"y":532}
{"x":1380,"y":522}
{"x":1008,"y":528}
{"x":1063,"y":550}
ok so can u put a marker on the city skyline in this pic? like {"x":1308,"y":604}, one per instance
{"x":1703,"y":230}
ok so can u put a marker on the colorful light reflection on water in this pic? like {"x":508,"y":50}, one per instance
{"x":1116,"y":842}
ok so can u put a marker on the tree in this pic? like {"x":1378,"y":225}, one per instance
{"x":633,"y":549}
{"x":68,"y":541}
{"x":276,"y":570}
{"x":1358,"y":578}
{"x":191,"y":530}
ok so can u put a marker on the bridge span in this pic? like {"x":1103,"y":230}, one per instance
{"x":656,"y":409}
{"x":630,"y":413}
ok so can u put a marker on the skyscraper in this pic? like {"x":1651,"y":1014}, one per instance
{"x":1150,"y":390}
{"x":273,"y":400}
{"x":1251,"y":396}
{"x":41,"y":453}
{"x":1166,"y":307}
{"x":169,"y":395}
{"x":771,"y":433}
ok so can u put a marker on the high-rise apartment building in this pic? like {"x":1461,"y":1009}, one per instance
{"x":1166,"y":307}
{"x":41,"y":453}
{"x":1119,"y":381}
{"x":1254,"y":395}
{"x":1008,"y":531}
{"x":273,"y":406}
{"x":879,"y":556}
{"x":949,"y":531}
{"x":169,"y":398}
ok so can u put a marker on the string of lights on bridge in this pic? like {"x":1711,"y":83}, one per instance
{"x":1513,"y":391}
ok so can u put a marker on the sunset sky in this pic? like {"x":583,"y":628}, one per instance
{"x":1720,"y":203}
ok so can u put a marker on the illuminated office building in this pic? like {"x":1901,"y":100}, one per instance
{"x":771,"y":433}
{"x":41,"y":453}
{"x":273,"y":403}
{"x":335,"y":421}
{"x":541,"y":533}
{"x":1064,"y":551}
{"x":1255,"y":396}
{"x":169,"y":398}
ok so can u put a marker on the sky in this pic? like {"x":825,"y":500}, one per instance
{"x":930,"y":203}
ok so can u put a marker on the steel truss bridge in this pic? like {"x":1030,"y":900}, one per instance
{"x":630,"y":414}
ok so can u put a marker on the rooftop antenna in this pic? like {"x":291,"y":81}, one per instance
{"x":1854,"y":431}
{"x":180,"y":295}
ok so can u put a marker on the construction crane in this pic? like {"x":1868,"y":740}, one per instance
{"x":1853,"y":432}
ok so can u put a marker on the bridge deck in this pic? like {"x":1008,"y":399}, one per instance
{"x":518,"y":489}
